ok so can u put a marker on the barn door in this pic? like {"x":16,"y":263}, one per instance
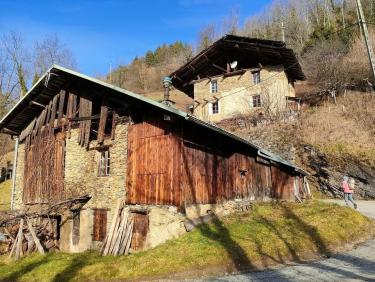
{"x":150,"y":152}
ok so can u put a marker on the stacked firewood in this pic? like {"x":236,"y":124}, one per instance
{"x":24,"y":238}
{"x":119,"y":237}
{"x":36,"y":230}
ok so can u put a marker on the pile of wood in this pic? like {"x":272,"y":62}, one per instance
{"x":24,"y":238}
{"x":119,"y":237}
{"x":27,"y":232}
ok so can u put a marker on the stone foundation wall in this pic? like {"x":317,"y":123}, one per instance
{"x":235,"y":94}
{"x":165,"y":223}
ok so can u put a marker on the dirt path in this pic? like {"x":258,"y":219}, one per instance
{"x":356,"y":265}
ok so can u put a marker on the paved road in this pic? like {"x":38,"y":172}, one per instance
{"x":365,"y":207}
{"x":356,"y":265}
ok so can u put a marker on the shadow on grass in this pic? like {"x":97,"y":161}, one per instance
{"x":67,"y":274}
{"x":216,"y":231}
{"x":19,"y":272}
{"x":72,"y":269}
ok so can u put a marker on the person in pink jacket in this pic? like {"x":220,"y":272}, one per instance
{"x":348,"y":192}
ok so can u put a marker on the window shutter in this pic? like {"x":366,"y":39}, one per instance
{"x":100,"y":225}
{"x":209,"y":108}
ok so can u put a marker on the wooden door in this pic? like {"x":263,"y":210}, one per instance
{"x":140,"y":230}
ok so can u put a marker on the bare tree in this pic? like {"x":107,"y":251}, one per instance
{"x":230,"y":24}
{"x":50,"y":51}
{"x":206,"y":37}
{"x":16,"y":58}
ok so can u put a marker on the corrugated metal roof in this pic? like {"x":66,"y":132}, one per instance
{"x":22,"y":116}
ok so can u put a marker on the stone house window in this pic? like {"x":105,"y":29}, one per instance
{"x":256,"y":77}
{"x":214,"y":108}
{"x":100,"y":225}
{"x":76,"y":224}
{"x":104,"y":163}
{"x":257,"y":101}
{"x":214,"y":86}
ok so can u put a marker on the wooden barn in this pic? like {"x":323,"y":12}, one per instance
{"x":76,"y":136}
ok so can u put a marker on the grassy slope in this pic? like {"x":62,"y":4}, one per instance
{"x":5,"y":191}
{"x":267,"y":235}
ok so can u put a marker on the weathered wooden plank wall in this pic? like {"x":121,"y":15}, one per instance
{"x":45,"y":144}
{"x":44,"y":169}
{"x":171,"y":164}
{"x":151,"y":151}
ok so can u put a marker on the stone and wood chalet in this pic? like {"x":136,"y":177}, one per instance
{"x":237,"y":76}
{"x":76,"y":135}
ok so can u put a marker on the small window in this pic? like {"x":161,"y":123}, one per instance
{"x":76,"y":224}
{"x":104,"y":163}
{"x":214,"y":88}
{"x":257,"y":101}
{"x":100,"y":224}
{"x":256,"y":77}
{"x":214,"y":108}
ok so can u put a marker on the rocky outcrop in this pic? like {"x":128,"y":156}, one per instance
{"x":328,"y":175}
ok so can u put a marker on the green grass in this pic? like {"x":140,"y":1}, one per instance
{"x":5,"y":191}
{"x":269,"y":234}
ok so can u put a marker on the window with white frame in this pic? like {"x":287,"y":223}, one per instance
{"x":104,"y":163}
{"x":256,"y":77}
{"x":213,"y":86}
{"x":214,"y":108}
{"x":257,"y":101}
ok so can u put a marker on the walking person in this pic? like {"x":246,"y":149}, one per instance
{"x":348,"y":187}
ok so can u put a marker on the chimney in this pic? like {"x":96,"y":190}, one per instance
{"x":167,"y":81}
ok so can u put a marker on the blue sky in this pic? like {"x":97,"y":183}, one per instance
{"x":105,"y":32}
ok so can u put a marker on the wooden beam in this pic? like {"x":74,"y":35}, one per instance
{"x":219,"y":68}
{"x":61,"y":107}
{"x":36,"y":240}
{"x":37,"y":104}
{"x":102,"y":121}
{"x":19,"y":241}
{"x":94,"y":117}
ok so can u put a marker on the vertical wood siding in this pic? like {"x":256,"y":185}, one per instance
{"x":44,"y":169}
{"x":152,"y":157}
{"x":173,"y":164}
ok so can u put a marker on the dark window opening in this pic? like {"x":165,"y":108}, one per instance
{"x":100,"y":224}
{"x":104,"y":163}
{"x":76,"y":224}
{"x":256,"y":77}
{"x":214,"y":86}
{"x":257,"y":101}
{"x":215,"y":107}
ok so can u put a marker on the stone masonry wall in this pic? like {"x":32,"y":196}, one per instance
{"x":273,"y":93}
{"x":81,"y":177}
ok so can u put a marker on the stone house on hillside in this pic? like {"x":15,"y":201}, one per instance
{"x":77,"y":136}
{"x":236,"y":76}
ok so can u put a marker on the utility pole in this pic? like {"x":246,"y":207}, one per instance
{"x":366,"y":36}
{"x":283,"y":31}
